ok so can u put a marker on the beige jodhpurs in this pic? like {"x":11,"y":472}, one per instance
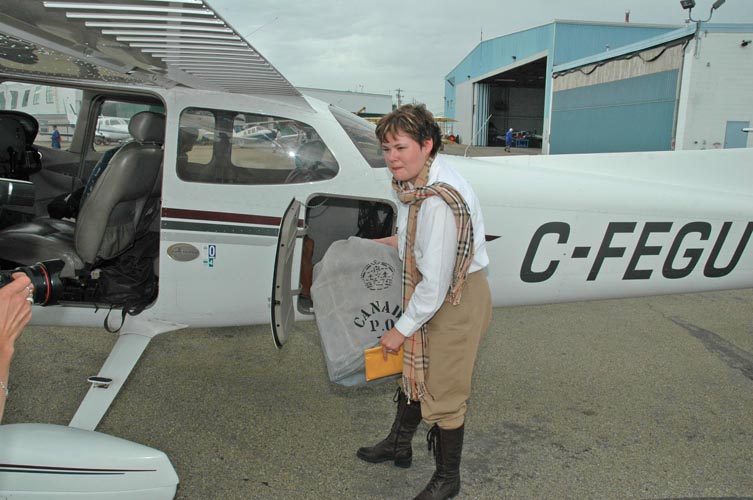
{"x":454,"y":334}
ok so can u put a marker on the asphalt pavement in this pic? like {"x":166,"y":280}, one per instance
{"x":647,"y":398}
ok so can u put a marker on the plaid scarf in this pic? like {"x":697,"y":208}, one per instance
{"x":416,"y":358}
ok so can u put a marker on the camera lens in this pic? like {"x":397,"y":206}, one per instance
{"x":40,"y":281}
{"x":45,"y":279}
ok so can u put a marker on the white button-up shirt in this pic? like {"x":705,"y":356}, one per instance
{"x":436,"y":246}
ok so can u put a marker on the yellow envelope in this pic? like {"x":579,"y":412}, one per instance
{"x":377,"y":367}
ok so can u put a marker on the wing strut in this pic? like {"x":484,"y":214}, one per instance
{"x":136,"y":335}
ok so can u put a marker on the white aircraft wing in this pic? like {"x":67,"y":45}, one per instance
{"x":166,"y":44}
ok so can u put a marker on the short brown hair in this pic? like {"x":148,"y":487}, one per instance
{"x":413,"y":120}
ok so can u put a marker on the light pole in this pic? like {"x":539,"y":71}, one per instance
{"x":689,"y":4}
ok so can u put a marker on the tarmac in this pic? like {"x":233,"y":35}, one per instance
{"x":647,"y":398}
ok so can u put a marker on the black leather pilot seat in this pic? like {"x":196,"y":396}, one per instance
{"x":111,"y":216}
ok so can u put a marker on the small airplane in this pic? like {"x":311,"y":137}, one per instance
{"x":252,"y":133}
{"x":218,"y":221}
{"x":111,"y":129}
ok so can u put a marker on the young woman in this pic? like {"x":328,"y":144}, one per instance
{"x":446,"y":299}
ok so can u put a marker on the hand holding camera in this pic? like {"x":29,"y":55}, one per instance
{"x":19,"y":289}
{"x":15,"y":313}
{"x":44,"y":286}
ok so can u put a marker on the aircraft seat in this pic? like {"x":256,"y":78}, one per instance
{"x":110,"y":219}
{"x":313,"y":162}
{"x":194,"y":172}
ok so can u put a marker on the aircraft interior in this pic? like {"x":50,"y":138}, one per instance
{"x":94,"y":219}
{"x":93,"y":215}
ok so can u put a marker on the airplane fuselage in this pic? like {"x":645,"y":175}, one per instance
{"x":559,"y":228}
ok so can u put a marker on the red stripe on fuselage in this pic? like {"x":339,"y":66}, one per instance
{"x":179,"y":213}
{"x":262,"y":220}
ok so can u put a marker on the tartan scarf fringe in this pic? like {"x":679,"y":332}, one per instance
{"x":414,"y":391}
{"x":416,"y":359}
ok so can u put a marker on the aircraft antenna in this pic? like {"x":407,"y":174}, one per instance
{"x":260,"y":27}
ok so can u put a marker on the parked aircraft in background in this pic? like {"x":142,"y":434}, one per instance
{"x":111,"y":129}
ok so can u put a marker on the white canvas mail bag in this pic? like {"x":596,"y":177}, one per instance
{"x":357,"y":298}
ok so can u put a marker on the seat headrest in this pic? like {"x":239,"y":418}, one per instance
{"x":148,"y":126}
{"x":17,"y":132}
{"x":28,"y":122}
{"x":186,"y":139}
{"x":309,"y":154}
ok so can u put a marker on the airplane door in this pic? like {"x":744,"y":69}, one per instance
{"x":283,"y":315}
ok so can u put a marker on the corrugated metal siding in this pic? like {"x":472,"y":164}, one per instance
{"x":495,"y":53}
{"x":568,"y":40}
{"x":575,"y":41}
{"x":482,"y":114}
{"x":654,"y":60}
{"x":464,"y":116}
{"x":635,"y":114}
{"x":717,"y":87}
{"x":491,"y":54}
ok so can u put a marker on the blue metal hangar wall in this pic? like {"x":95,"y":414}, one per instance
{"x":507,"y":82}
{"x":621,"y":100}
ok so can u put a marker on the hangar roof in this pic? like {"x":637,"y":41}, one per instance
{"x":562,"y":40}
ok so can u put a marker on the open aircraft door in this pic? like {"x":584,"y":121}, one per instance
{"x":283,"y":315}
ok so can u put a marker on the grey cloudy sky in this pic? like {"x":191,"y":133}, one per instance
{"x":382,"y":46}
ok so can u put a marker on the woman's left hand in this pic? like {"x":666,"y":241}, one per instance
{"x":391,"y":342}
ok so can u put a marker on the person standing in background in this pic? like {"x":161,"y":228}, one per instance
{"x":55,"y":137}
{"x":508,"y":140}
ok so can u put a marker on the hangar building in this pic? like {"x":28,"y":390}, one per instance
{"x":598,"y":87}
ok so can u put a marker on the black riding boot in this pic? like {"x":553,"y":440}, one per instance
{"x":448,"y":446}
{"x":396,"y":446}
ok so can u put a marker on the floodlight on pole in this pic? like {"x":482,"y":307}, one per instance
{"x":689,"y":4}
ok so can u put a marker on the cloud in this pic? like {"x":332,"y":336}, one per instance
{"x":380,"y":47}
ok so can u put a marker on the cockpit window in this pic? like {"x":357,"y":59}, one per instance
{"x":361,"y":132}
{"x":226,"y":147}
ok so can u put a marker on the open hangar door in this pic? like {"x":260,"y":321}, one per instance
{"x":515,"y":99}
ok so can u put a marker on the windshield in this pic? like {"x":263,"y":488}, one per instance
{"x":361,"y":132}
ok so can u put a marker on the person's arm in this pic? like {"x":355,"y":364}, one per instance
{"x":436,"y":251}
{"x":15,"y":313}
